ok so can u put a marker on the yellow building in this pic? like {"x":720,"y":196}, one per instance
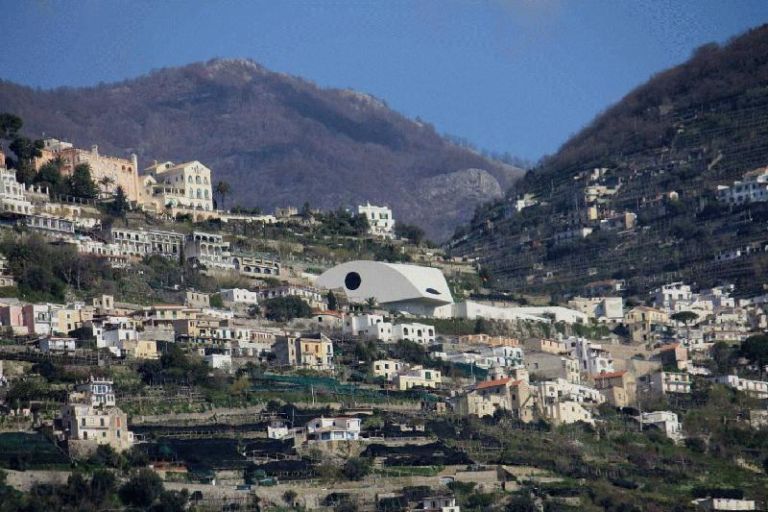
{"x":417,"y":377}
{"x":309,"y":351}
{"x":69,"y":319}
{"x":90,"y":418}
{"x":618,"y":388}
{"x":641,"y":320}
{"x":485,"y":398}
{"x":140,"y":349}
{"x":108,"y":172}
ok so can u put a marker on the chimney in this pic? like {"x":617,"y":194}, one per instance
{"x":95,"y":149}
{"x":135,"y":162}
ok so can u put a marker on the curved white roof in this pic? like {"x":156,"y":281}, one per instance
{"x":388,"y":282}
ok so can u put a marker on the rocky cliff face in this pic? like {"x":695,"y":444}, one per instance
{"x":276,"y":138}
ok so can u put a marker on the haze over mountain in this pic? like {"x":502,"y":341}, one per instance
{"x":276,"y":138}
{"x":664,"y":148}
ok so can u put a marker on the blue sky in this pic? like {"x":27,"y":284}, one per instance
{"x":518,"y":76}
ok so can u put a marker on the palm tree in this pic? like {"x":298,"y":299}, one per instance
{"x":105,"y":182}
{"x":222,"y":189}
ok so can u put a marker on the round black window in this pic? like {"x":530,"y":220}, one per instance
{"x":352,"y":281}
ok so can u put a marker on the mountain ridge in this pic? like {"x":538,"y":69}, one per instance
{"x":279,"y":139}
{"x":658,"y":154}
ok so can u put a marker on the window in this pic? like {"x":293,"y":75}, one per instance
{"x":352,"y":281}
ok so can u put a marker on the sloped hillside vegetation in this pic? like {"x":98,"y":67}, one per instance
{"x":659,"y":154}
{"x":279,"y":139}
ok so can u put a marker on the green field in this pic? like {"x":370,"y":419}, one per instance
{"x":29,"y":451}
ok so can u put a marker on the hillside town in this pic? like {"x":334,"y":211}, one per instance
{"x":337,"y":361}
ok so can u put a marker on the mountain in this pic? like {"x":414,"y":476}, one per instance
{"x":277,"y":139}
{"x":656,"y":157}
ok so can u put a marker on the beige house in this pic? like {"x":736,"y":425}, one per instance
{"x":566,"y":412}
{"x":90,"y":418}
{"x":485,"y":398}
{"x":308,"y":351}
{"x":108,"y":172}
{"x":545,"y":345}
{"x":619,"y":388}
{"x":417,"y":377}
{"x":84,"y":422}
{"x":553,"y":366}
{"x":641,"y":320}
{"x":387,"y":368}
{"x":71,"y":318}
{"x":139,"y":349}
{"x":180,"y":188}
{"x":486,"y":339}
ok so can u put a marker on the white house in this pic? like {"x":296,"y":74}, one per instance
{"x":756,"y":388}
{"x":109,"y":331}
{"x":357,"y":325}
{"x":334,"y":429}
{"x":418,"y":333}
{"x":185,"y":186}
{"x":219,"y":361}
{"x":239,"y":296}
{"x":438,"y":504}
{"x":560,"y":390}
{"x":380,"y":220}
{"x":752,"y":188}
{"x":666,"y":421}
{"x":594,"y":359}
{"x":57,"y":345}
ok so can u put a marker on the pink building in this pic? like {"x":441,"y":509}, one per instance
{"x":13,"y":317}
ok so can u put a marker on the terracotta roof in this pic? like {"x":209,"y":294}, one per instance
{"x":494,"y":383}
{"x":609,"y":375}
{"x":673,"y":346}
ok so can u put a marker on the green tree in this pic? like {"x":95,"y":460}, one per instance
{"x":684,"y":317}
{"x":409,"y":231}
{"x":26,"y":150}
{"x":119,"y":205}
{"x":217,"y":301}
{"x":283,"y":309}
{"x":306,"y":211}
{"x":106,"y":183}
{"x":10,"y":125}
{"x":171,"y":501}
{"x":49,"y":176}
{"x":103,"y":485}
{"x":333,"y":303}
{"x":755,"y":348}
{"x":290,"y":496}
{"x":481,"y":326}
{"x":81,"y":184}
{"x":142,"y":489}
{"x":222,"y":190}
{"x":356,"y":468}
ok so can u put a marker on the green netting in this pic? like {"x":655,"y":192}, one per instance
{"x":330,"y":385}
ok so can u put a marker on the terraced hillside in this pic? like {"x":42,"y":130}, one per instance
{"x":655,"y":159}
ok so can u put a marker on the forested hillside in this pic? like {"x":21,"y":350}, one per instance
{"x":660,"y":152}
{"x":277,"y":139}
